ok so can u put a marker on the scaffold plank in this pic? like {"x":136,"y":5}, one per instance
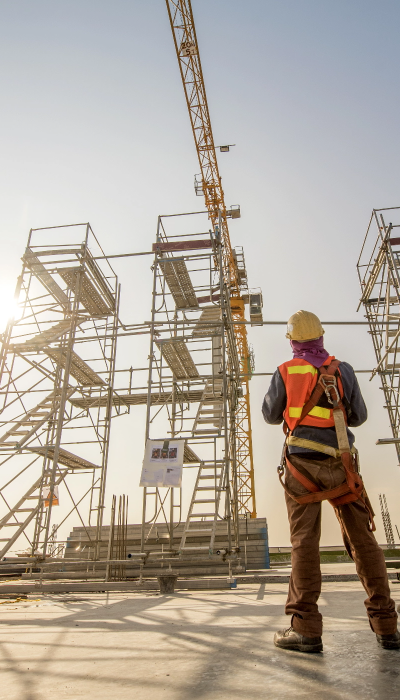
{"x":180,"y":285}
{"x":208,"y":299}
{"x":38,"y":269}
{"x":163,"y":397}
{"x":190,"y":457}
{"x":67,"y":459}
{"x":207,"y":323}
{"x":178,"y":358}
{"x":39,"y":341}
{"x":96,"y":303}
{"x":176,"y":246}
{"x":79,"y":369}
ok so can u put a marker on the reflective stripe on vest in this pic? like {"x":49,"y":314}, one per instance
{"x":301,"y":369}
{"x":300,"y":378}
{"x":295,"y":412}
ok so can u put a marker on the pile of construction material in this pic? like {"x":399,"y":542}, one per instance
{"x":157,"y":555}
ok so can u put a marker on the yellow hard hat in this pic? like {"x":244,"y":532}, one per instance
{"x":303,"y":326}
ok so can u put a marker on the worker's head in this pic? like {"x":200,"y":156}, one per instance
{"x":304,"y":326}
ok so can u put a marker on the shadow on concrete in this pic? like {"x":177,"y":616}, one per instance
{"x":190,"y":645}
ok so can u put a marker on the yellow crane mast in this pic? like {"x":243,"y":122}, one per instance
{"x":184,"y":34}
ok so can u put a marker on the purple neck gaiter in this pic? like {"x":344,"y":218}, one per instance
{"x":311,"y":351}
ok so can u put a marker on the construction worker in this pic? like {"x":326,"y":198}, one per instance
{"x":317,"y":397}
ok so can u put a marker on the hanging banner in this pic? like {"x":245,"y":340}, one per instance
{"x":162,"y":463}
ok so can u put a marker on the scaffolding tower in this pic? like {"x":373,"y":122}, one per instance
{"x":194,"y":386}
{"x":379,"y":274}
{"x":59,"y":394}
{"x":57,"y":366}
{"x":387,"y":523}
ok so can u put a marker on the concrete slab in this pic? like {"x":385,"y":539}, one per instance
{"x":194,"y":645}
{"x":73,"y":586}
{"x":330,"y":572}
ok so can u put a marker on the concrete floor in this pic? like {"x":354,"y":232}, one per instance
{"x":206,"y":645}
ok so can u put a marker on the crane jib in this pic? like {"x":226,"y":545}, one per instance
{"x":187,"y":51}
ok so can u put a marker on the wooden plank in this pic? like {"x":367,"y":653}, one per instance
{"x":205,"y":300}
{"x":175,"y":246}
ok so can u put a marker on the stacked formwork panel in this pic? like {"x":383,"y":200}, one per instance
{"x":379,"y":275}
{"x":59,"y":348}
{"x":253,"y":539}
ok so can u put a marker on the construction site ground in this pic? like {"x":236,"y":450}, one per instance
{"x":190,"y":645}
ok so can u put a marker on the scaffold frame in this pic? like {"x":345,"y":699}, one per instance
{"x":191,"y":308}
{"x":379,"y":275}
{"x":67,"y":321}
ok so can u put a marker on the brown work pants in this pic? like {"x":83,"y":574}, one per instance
{"x":305,"y":531}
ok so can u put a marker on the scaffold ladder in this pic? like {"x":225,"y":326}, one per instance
{"x":210,"y":413}
{"x":206,"y":496}
{"x":29,"y":504}
{"x":23,"y":428}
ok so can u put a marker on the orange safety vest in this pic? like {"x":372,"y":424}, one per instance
{"x":300,"y":378}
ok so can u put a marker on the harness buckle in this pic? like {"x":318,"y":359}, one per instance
{"x":330,"y":389}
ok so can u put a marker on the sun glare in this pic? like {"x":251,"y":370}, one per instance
{"x":8,"y":305}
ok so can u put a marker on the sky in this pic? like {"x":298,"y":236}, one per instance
{"x":95,"y":128}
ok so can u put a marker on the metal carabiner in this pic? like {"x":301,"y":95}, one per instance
{"x":328,"y":387}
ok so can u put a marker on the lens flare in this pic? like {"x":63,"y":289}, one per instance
{"x":9,"y":308}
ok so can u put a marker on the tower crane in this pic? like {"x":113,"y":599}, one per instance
{"x":234,"y":272}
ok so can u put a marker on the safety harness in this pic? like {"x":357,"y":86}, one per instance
{"x":353,"y":488}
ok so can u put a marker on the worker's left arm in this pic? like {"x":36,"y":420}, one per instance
{"x":274,"y":402}
{"x":357,"y":415}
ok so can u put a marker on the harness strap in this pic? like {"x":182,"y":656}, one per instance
{"x":353,"y":488}
{"x":353,"y":483}
{"x":317,"y":494}
{"x":341,"y":432}
{"x":315,"y":446}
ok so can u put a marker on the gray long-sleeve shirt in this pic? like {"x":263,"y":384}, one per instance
{"x":275,"y":401}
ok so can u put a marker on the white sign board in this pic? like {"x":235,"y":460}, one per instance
{"x":162,"y":463}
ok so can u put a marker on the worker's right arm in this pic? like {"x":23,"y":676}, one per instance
{"x":274,"y":402}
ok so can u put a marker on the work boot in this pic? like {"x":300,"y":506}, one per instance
{"x":292,"y":640}
{"x":389,"y":641}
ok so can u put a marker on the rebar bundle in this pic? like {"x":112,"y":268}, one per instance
{"x":118,"y":539}
{"x":387,"y":523}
